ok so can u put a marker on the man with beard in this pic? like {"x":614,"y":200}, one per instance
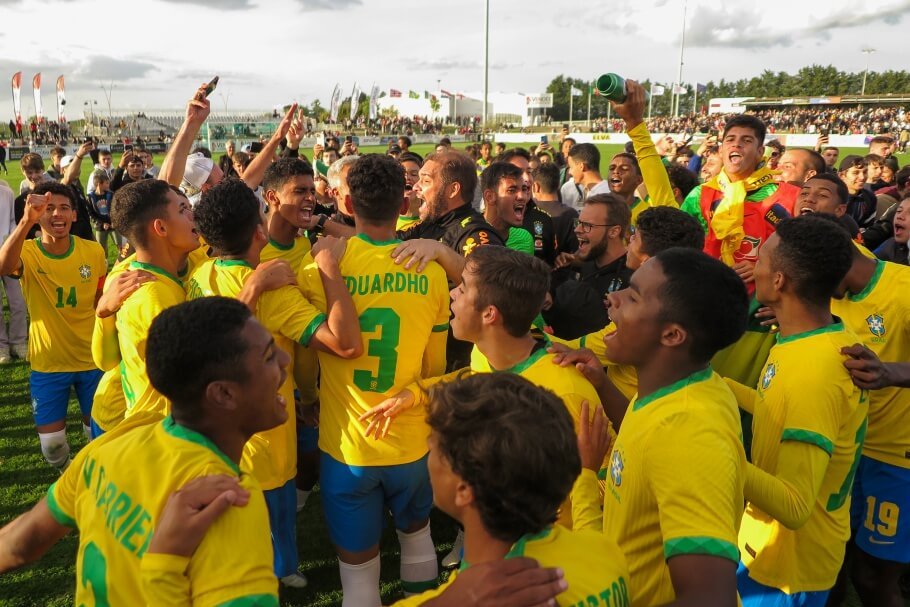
{"x":599,"y":268}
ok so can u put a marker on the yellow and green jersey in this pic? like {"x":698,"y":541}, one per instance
{"x":116,"y":510}
{"x":60,"y":292}
{"x":675,"y":481}
{"x":593,"y":566}
{"x":134,"y":318}
{"x":880,"y":316}
{"x":404,"y":319}
{"x":624,"y":377}
{"x":293,"y":253}
{"x":291,"y":320}
{"x":806,"y":395}
{"x":404,"y":221}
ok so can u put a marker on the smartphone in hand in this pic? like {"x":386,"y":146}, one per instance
{"x":210,"y":87}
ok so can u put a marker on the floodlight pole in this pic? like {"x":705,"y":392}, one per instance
{"x":682,"y":48}
{"x":866,"y":52}
{"x":486,"y":63}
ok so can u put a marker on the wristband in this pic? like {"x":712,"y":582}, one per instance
{"x":320,"y":224}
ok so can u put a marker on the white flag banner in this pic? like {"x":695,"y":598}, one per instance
{"x":355,"y":101}
{"x":374,"y":106}
{"x":335,"y":104}
{"x":679,"y":89}
{"x":657,"y":89}
{"x":575,"y":92}
{"x":61,"y":101}
{"x":36,"y":89}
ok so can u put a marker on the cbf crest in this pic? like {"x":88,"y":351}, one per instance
{"x":616,"y":467}
{"x":770,"y":372}
{"x":876,"y":325}
{"x":85,"y":271}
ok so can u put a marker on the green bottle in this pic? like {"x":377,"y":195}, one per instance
{"x":612,"y":86}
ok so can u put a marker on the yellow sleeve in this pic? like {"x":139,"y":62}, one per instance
{"x":164,"y":581}
{"x":61,"y":496}
{"x":105,"y":343}
{"x":434,"y":357}
{"x":715,"y":495}
{"x":790,"y":493}
{"x":587,"y":510}
{"x":421,"y":389}
{"x":745,"y":396}
{"x":653,"y":172}
{"x":233,"y":564}
{"x":294,"y":316}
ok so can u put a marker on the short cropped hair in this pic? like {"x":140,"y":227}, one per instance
{"x":715,"y":314}
{"x":682,"y":178}
{"x":135,"y":205}
{"x":747,"y":121}
{"x":496,"y":172}
{"x":513,"y":443}
{"x":515,"y":153}
{"x":546,"y":176}
{"x":56,"y":189}
{"x":661,"y":228}
{"x":842,"y":192}
{"x":333,"y":175}
{"x":282,"y":170}
{"x":227,"y":215}
{"x":516,"y":283}
{"x":376,"y":182}
{"x":457,"y":167}
{"x":31,"y":162}
{"x":172,"y":358}
{"x":587,"y":154}
{"x":618,"y":211}
{"x":815,"y":254}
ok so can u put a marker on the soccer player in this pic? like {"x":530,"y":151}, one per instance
{"x":157,"y":220}
{"x":115,"y":489}
{"x":809,"y":423}
{"x":505,"y":195}
{"x":873,"y":306}
{"x":229,"y":217}
{"x":503,"y":457}
{"x":674,"y":495}
{"x":500,"y":294}
{"x":404,"y":321}
{"x":62,"y":276}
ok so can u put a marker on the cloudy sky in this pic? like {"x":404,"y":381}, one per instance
{"x":270,"y":52}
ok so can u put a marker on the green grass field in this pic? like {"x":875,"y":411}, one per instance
{"x":25,"y":477}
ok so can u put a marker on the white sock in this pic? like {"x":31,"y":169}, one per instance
{"x":419,"y":568}
{"x":302,"y":497}
{"x":360,"y":584}
{"x":55,"y":448}
{"x":88,"y":432}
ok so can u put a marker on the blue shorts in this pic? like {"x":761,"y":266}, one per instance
{"x":282,"y":506}
{"x":51,"y":393}
{"x":879,"y":511}
{"x":307,"y":438}
{"x":94,"y":429}
{"x":356,"y":498}
{"x":754,"y":594}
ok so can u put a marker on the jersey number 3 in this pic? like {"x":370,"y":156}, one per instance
{"x":94,"y":573}
{"x":388,"y":323}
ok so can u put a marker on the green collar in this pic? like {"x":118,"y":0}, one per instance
{"x":834,"y":327}
{"x":876,"y":275}
{"x":227,"y":263}
{"x":182,"y":432}
{"x":155,"y":270}
{"x":536,"y":355}
{"x":279,"y":246}
{"x":518,"y":548}
{"x":69,"y":251}
{"x":378,"y":243}
{"x":696,"y":377}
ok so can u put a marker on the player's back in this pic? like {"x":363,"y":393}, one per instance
{"x":399,"y":310}
{"x":114,"y":492}
{"x":134,"y":318}
{"x":293,"y":253}
{"x":818,"y":404}
{"x":880,"y":316}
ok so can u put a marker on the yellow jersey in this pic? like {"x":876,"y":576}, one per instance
{"x":675,"y":481}
{"x":653,"y":172}
{"x":817,"y":404}
{"x":116,"y":510}
{"x":592,"y":565}
{"x":134,"y":318}
{"x":404,"y":319}
{"x":109,"y":403}
{"x":404,"y":221}
{"x":289,"y":317}
{"x":293,"y":253}
{"x":880,"y":316}
{"x":60,"y":292}
{"x":624,"y":377}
